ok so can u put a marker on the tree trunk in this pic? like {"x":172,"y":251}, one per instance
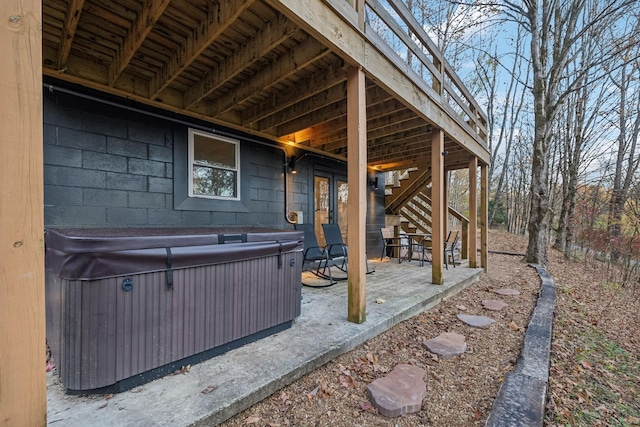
{"x":538,"y":225}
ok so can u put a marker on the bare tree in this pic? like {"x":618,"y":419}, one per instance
{"x":625,"y":79}
{"x":555,"y":28}
{"x":581,"y":127}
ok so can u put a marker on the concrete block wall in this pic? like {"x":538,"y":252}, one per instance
{"x":105,"y":166}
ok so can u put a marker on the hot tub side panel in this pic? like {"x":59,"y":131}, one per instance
{"x":108,"y":334}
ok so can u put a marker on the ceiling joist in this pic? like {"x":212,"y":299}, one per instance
{"x":71,"y":19}
{"x":270,"y":36}
{"x":151,"y":11}
{"x":219,"y":18}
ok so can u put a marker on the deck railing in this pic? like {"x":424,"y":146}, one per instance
{"x":393,"y":29}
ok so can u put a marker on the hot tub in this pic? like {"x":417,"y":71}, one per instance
{"x":126,"y":306}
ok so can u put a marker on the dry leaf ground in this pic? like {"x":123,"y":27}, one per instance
{"x":595,"y":363}
{"x":594,"y":372}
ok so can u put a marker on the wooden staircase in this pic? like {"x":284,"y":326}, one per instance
{"x":409,"y":196}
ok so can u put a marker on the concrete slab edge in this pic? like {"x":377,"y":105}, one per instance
{"x":261,"y":393}
{"x":522,"y":396}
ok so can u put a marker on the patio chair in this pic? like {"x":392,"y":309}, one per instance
{"x":316,"y":255}
{"x":337,"y":248}
{"x":391,"y":243}
{"x":421,"y":245}
{"x":450,"y":245}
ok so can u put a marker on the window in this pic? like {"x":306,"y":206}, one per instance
{"x":214,"y":166}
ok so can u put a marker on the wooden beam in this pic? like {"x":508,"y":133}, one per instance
{"x":151,"y":11}
{"x":219,"y":18}
{"x":71,"y":19}
{"x":374,"y":95}
{"x":473,"y":212}
{"x":321,"y":115}
{"x":357,"y":177}
{"x":315,"y":83}
{"x":303,"y":54}
{"x":412,"y":143}
{"x":319,"y":130}
{"x":393,"y":134}
{"x":386,"y":120}
{"x":484,"y":215}
{"x":334,"y":131}
{"x":437,"y":206}
{"x":313,"y":103}
{"x":23,"y":400}
{"x":256,"y":47}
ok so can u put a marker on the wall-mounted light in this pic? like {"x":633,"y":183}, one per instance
{"x":292,"y":164}
{"x":373,"y":182}
{"x":445,"y":152}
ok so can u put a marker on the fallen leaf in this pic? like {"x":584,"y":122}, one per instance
{"x":50,"y":367}
{"x":209,"y":389}
{"x":365,"y":406}
{"x":461,"y":307}
{"x":371,"y":358}
{"x":324,"y":390}
{"x":585,"y":364}
{"x":513,"y":326}
{"x":137,"y":390}
{"x":108,"y":396}
{"x":379,"y":301}
{"x":632,"y":420}
{"x":284,"y":397}
{"x":252,"y":420}
{"x":347,"y":381}
{"x":103,"y":406}
{"x":182,"y":370}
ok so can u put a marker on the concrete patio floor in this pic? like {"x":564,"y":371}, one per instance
{"x":246,"y":375}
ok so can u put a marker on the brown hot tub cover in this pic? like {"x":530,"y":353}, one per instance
{"x":126,"y":306}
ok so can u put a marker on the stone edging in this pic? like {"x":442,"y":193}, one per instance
{"x":523,"y":394}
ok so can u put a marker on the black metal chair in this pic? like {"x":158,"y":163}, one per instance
{"x":450,"y":245}
{"x":391,"y":243}
{"x":421,"y":245}
{"x":316,"y":256}
{"x":337,"y":248}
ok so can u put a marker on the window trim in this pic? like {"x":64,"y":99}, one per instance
{"x":191,"y":163}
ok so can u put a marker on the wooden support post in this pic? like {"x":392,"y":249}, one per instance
{"x":473,"y":212}
{"x":360,"y":7}
{"x":23,"y":398}
{"x":438,"y":208}
{"x":438,"y":79}
{"x":464,"y":251}
{"x":484,"y":215}
{"x":357,"y":202}
{"x":445,"y":195}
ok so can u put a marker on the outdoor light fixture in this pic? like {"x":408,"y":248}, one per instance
{"x":374,"y":183}
{"x":445,"y":152}
{"x":292,"y":164}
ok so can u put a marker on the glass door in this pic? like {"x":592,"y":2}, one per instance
{"x":330,"y":192}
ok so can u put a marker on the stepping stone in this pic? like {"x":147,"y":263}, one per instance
{"x":506,"y":291}
{"x":446,"y":345}
{"x":475,"y":321}
{"x":400,"y":392}
{"x":494,"y":304}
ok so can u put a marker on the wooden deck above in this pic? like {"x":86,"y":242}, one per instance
{"x":273,"y":68}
